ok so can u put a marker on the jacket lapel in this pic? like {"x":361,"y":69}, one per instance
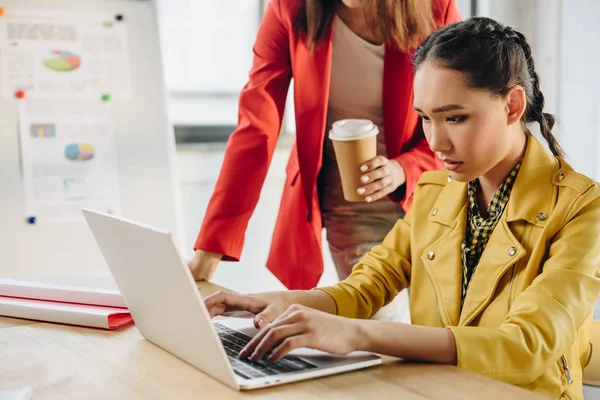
{"x":311,"y":94}
{"x":526,"y":204}
{"x":445,"y":270}
{"x":397,"y":98}
{"x":503,"y":249}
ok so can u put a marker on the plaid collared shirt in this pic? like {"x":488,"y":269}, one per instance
{"x":479,"y":228}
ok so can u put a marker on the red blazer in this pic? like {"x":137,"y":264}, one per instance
{"x":280,"y":54}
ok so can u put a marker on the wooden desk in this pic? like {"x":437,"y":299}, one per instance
{"x":60,"y":361}
{"x":6,"y":322}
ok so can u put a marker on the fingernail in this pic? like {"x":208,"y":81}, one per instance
{"x":361,"y":190}
{"x":260,"y":322}
{"x":368,"y":199}
{"x":365,"y":178}
{"x":363,"y":168}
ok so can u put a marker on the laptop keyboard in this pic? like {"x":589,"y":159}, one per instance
{"x":234,"y":341}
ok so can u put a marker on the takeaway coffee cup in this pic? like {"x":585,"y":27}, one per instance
{"x":354,"y":143}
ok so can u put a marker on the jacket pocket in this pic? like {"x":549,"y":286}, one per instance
{"x":292,"y":170}
{"x":587,"y":356}
{"x":293,"y":177}
{"x":566,"y":396}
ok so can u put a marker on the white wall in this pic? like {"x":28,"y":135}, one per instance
{"x":566,"y":44}
{"x":207,"y":52}
{"x":579,"y":97}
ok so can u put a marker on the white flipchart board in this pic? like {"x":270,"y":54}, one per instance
{"x":145,"y":156}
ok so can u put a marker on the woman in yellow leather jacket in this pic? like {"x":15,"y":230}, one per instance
{"x":501,"y":250}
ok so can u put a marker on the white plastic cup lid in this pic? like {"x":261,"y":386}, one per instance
{"x":352,"y":129}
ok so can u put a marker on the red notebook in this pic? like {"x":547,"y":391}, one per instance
{"x":98,"y":308}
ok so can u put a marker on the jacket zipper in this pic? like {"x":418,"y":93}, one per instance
{"x":514,"y":270}
{"x":437,"y":307}
{"x":566,"y":371}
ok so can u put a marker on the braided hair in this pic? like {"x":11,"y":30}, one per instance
{"x":492,"y":57}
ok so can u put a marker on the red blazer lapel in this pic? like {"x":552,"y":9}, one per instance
{"x":398,"y":115}
{"x":311,"y":94}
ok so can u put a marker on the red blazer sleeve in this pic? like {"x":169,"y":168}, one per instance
{"x":250,"y":147}
{"x":419,"y":157}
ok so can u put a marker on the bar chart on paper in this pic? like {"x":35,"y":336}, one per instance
{"x":37,"y":131}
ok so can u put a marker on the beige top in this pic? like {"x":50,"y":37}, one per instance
{"x":355,"y":92}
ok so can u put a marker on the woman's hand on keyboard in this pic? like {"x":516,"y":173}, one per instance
{"x":266,"y":306}
{"x":300,"y":326}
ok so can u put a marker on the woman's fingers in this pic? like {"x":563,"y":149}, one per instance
{"x":376,"y":182}
{"x":375,"y":175}
{"x":383,"y":192}
{"x":221,"y":301}
{"x":376,"y":186}
{"x":273,"y":338}
{"x":299,"y":327}
{"x":293,"y":315}
{"x":269,"y":314}
{"x":289,"y":344}
{"x":373,"y":164}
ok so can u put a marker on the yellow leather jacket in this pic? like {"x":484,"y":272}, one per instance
{"x":525,"y":318}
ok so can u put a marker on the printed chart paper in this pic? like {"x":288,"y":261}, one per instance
{"x":68,"y":157}
{"x":66,"y":54}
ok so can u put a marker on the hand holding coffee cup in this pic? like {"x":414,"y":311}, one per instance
{"x":381,"y":176}
{"x":365,"y":176}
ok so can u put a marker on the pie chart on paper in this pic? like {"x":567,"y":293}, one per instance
{"x":79,"y":152}
{"x":61,"y":61}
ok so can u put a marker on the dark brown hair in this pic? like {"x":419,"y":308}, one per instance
{"x":404,"y":23}
{"x":494,"y":58}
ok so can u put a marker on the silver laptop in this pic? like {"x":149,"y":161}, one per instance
{"x":168,"y":310}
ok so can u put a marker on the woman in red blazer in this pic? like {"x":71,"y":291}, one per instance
{"x":296,"y":40}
